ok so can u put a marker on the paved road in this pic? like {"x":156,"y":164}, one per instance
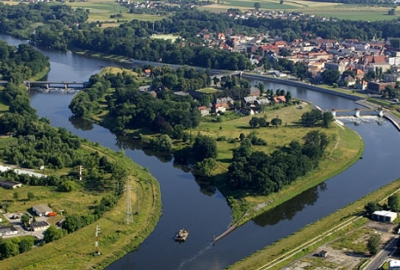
{"x":382,"y":256}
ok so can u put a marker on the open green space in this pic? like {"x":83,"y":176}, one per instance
{"x":101,"y":10}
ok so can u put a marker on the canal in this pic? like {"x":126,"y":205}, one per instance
{"x":202,"y":209}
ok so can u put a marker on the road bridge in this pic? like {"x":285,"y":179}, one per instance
{"x":56,"y":84}
{"x":51,"y":84}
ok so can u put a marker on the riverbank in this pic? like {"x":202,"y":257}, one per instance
{"x":293,"y":247}
{"x":75,"y":250}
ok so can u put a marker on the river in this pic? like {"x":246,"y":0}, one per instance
{"x":201,"y":208}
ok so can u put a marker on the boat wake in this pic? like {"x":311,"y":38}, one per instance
{"x":199,"y":253}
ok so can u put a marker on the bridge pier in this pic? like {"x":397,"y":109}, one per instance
{"x":65,"y":85}
{"x":380,"y":112}
{"x":357,"y":113}
{"x":47,"y":86}
{"x":333,"y":113}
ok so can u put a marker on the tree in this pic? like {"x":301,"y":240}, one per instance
{"x":25,"y":218}
{"x":253,"y":122}
{"x":72,"y":223}
{"x":16,"y":195}
{"x":206,"y":166}
{"x":330,"y":76}
{"x":327,"y":119}
{"x":372,"y":207}
{"x":8,"y":249}
{"x":30,"y":196}
{"x":276,"y":121}
{"x":52,"y":234}
{"x":204,"y":147}
{"x":164,"y":143}
{"x":257,"y":5}
{"x":309,"y":119}
{"x":373,"y":244}
{"x":25,"y":244}
{"x":394,"y":202}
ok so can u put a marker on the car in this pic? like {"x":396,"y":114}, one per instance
{"x":14,"y":217}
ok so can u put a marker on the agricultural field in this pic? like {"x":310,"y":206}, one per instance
{"x":101,"y":10}
{"x":335,"y":10}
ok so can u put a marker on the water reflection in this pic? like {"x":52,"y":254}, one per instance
{"x":290,"y":208}
{"x":127,"y":142}
{"x":80,"y":123}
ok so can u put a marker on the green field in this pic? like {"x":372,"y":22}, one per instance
{"x":324,"y":9}
{"x":100,"y":10}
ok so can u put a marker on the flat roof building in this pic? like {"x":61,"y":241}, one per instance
{"x":394,"y":265}
{"x":8,"y":230}
{"x":384,"y":216}
{"x":39,"y":226}
{"x":10,"y":184}
{"x":42,"y":210}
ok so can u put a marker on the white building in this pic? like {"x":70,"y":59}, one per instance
{"x":42,"y":210}
{"x":384,"y":216}
{"x":394,"y":265}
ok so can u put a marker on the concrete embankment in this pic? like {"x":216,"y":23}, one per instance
{"x":298,"y":84}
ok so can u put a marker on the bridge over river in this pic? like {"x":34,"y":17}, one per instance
{"x":52,"y":84}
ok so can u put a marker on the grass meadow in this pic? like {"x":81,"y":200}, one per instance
{"x":335,"y":10}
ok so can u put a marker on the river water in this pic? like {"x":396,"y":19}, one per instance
{"x":202,"y":209}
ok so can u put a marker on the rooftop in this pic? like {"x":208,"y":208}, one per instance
{"x":42,"y":208}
